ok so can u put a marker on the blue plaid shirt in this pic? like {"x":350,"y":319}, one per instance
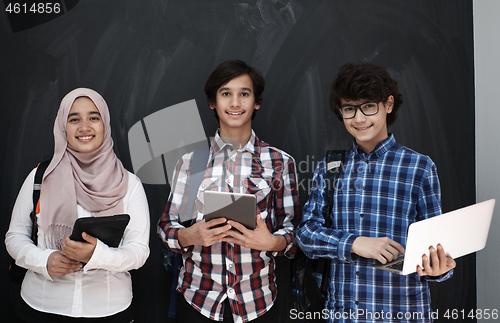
{"x":378,"y":195}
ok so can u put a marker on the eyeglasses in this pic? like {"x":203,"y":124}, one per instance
{"x":367,"y":108}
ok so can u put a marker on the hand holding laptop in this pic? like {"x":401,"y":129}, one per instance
{"x":382,"y":249}
{"x":386,"y":250}
{"x":459,"y":232}
{"x":437,"y":264}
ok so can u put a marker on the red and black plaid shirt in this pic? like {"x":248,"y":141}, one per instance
{"x":225,"y":270}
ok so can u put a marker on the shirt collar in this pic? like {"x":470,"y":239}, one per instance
{"x":381,"y":148}
{"x":253,"y":145}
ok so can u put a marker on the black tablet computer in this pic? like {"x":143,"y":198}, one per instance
{"x":108,"y":229}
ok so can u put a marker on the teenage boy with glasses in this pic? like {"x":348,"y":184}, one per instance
{"x":382,"y":189}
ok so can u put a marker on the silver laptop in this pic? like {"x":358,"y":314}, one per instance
{"x":460,"y":232}
{"x":232,"y":206}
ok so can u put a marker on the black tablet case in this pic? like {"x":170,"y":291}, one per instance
{"x":108,"y":229}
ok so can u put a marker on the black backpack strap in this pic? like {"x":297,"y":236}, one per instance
{"x":196,"y":173}
{"x":37,"y":186}
{"x":334,"y":164}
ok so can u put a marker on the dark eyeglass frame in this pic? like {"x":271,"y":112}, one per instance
{"x":358,"y":107}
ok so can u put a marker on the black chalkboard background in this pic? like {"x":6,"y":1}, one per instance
{"x":143,"y":56}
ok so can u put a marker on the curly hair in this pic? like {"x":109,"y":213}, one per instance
{"x":356,"y":81}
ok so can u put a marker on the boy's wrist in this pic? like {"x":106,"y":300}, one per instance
{"x":279,"y":243}
{"x":183,"y":237}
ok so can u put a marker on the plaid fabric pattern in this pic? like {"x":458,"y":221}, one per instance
{"x":245,"y":276}
{"x":378,"y":195}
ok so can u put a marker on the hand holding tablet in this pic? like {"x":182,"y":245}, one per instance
{"x":232,"y":206}
{"x":108,"y":229}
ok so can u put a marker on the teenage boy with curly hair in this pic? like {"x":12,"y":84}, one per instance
{"x":382,"y":189}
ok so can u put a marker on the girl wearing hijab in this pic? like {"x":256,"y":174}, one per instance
{"x":84,"y":178}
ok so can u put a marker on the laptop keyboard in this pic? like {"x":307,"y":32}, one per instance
{"x":397,"y":266}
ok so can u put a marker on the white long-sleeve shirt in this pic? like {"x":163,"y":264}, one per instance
{"x":103,"y":286}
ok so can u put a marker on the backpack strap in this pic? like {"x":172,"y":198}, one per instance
{"x":196,"y":173}
{"x":37,"y":186}
{"x":334,"y":164}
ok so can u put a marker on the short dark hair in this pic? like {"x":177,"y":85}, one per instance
{"x":356,"y":81}
{"x":229,"y":70}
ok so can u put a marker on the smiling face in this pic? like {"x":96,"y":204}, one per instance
{"x":368,"y":131}
{"x":235,"y":103}
{"x":84,"y":128}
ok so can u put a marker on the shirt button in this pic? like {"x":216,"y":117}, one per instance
{"x":367,"y":161}
{"x":363,"y":188}
{"x":230,"y":291}
{"x":357,"y":273}
{"x":361,"y":215}
{"x":228,"y":181}
{"x":356,"y":302}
